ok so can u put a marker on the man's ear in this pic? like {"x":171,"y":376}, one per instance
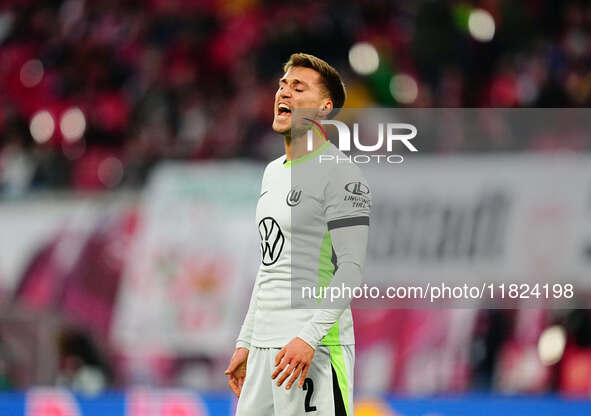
{"x":326,"y":108}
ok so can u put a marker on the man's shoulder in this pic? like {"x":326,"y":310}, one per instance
{"x":276,"y":162}
{"x":274,"y":165}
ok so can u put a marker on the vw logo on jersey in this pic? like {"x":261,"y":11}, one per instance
{"x":357,"y":188}
{"x":294,"y":197}
{"x":272,"y":240}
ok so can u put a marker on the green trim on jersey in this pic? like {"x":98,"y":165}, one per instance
{"x":325,"y":275}
{"x":332,"y":337}
{"x":290,"y":163}
{"x":326,"y":270}
{"x":338,"y":363}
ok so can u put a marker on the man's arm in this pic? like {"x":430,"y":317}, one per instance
{"x":245,"y":335}
{"x":243,"y":340}
{"x":237,"y":368}
{"x":350,"y":244}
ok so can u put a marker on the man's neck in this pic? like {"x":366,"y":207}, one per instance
{"x":297,"y":147}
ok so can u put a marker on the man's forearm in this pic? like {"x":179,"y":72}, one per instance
{"x":245,"y":335}
{"x":348,"y":275}
{"x":349,"y":244}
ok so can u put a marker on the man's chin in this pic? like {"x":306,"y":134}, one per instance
{"x":281,"y":128}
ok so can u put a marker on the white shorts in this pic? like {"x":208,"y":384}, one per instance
{"x":327,"y":391}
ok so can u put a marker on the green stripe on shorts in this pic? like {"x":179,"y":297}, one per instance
{"x":338,"y":363}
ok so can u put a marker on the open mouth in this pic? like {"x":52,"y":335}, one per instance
{"x":283,"y":110}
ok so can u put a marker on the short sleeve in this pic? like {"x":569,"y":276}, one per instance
{"x":347,"y":198}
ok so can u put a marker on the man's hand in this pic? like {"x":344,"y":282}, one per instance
{"x":237,"y":370}
{"x":298,"y":356}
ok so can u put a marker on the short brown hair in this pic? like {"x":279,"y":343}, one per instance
{"x":331,"y":80}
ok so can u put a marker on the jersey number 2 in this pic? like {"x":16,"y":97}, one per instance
{"x":309,"y":387}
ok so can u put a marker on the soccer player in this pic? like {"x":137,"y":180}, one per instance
{"x":313,"y":223}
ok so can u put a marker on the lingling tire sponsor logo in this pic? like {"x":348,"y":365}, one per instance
{"x":357,"y":194}
{"x":357,"y":188}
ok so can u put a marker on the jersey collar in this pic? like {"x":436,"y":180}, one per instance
{"x":294,"y":162}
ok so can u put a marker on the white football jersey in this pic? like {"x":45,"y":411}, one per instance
{"x":300,"y":202}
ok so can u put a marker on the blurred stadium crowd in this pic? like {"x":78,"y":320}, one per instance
{"x":93,"y":94}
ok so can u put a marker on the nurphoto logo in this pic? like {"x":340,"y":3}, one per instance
{"x":387,"y":133}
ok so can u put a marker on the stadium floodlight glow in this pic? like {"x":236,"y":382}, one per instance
{"x":364,"y":58}
{"x":404,"y":88}
{"x":551,"y":345}
{"x":73,"y":124}
{"x":31,"y":73}
{"x":481,"y":25}
{"x":42,"y":126}
{"x":110,"y":171}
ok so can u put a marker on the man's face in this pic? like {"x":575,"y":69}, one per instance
{"x":300,"y":87}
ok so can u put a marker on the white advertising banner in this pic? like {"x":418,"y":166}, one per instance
{"x":518,"y":218}
{"x":195,"y":256}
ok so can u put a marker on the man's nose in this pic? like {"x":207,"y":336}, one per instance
{"x":285,"y":93}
